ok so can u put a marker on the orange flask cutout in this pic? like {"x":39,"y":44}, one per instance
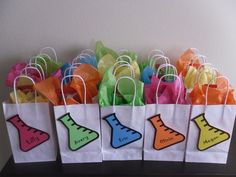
{"x":164,"y":136}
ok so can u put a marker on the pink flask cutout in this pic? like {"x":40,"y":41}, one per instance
{"x":29,"y":137}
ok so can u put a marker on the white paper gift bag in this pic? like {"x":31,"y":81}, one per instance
{"x":166,"y":128}
{"x":122,"y":129}
{"x":30,"y":129}
{"x":78,"y":129}
{"x":210,"y":131}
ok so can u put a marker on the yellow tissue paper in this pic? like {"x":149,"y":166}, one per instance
{"x":105,"y":63}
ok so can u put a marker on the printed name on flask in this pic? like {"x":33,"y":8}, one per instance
{"x":81,"y":140}
{"x":32,"y":140}
{"x":210,"y":140}
{"x":123,"y":139}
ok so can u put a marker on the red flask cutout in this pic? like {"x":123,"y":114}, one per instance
{"x":29,"y":137}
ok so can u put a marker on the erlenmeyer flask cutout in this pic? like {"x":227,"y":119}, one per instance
{"x":120,"y":134}
{"x":209,"y":135}
{"x":164,"y":136}
{"x":78,"y":135}
{"x":29,"y":137}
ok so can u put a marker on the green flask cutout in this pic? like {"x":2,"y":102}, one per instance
{"x":78,"y":136}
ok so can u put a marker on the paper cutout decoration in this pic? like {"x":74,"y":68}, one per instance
{"x":29,"y":137}
{"x":164,"y":136}
{"x":78,"y":135}
{"x":120,"y":134}
{"x":209,"y":135}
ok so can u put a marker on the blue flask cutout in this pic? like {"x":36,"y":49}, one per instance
{"x":120,"y":134}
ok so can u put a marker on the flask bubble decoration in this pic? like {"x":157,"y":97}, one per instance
{"x":165,"y":136}
{"x":78,"y":135}
{"x":209,"y":135}
{"x":29,"y":137}
{"x":121,"y":135}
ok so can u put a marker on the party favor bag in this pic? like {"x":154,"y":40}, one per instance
{"x":210,"y":129}
{"x":166,"y":128}
{"x":122,"y":128}
{"x":78,"y":129}
{"x":30,"y":128}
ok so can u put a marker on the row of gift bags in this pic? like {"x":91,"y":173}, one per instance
{"x":89,"y":133}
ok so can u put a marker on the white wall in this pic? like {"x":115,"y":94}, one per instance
{"x":140,"y":25}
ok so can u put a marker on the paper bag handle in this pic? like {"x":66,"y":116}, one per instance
{"x":166,"y":66}
{"x":124,"y":56}
{"x":24,"y":70}
{"x":157,"y":57}
{"x":35,"y":58}
{"x":114,"y":94}
{"x":14,"y":87}
{"x":62,"y":89}
{"x":158,"y":85}
{"x":51,"y":49}
{"x":155,"y":52}
{"x":227,"y":92}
